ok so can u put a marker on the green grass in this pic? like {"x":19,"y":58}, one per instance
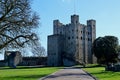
{"x":23,"y":73}
{"x":101,"y":74}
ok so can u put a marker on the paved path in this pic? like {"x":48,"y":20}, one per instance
{"x":69,"y":74}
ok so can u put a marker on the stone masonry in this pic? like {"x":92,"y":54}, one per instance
{"x":71,"y":43}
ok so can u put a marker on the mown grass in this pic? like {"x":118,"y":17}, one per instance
{"x":101,"y":74}
{"x":23,"y":73}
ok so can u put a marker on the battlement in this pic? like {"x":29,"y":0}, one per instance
{"x":57,"y":23}
{"x":75,"y":19}
{"x":71,"y":41}
{"x":91,"y":22}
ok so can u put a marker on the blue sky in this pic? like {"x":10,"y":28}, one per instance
{"x":105,"y":12}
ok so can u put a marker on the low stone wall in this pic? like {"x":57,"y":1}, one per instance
{"x":33,"y":61}
{"x":3,"y":63}
{"x":28,"y":61}
{"x":113,"y":68}
{"x":117,"y":68}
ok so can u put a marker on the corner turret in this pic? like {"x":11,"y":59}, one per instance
{"x":75,"y":19}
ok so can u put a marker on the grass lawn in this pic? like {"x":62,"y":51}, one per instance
{"x":101,"y":74}
{"x":23,"y":73}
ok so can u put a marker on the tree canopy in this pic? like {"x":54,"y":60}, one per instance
{"x":106,"y":49}
{"x":17,"y":22}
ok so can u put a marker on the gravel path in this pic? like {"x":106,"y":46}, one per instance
{"x":69,"y":74}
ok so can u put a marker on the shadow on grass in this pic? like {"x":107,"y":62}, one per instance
{"x":93,"y":66}
{"x":27,"y":67}
{"x":21,"y":67}
{"x":102,"y":74}
{"x":106,"y":74}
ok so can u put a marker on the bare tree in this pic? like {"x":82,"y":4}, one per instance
{"x":17,"y":22}
{"x":25,"y":51}
{"x":38,"y":50}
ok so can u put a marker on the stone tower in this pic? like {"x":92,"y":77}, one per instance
{"x":71,"y":43}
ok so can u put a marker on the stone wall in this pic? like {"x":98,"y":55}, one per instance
{"x":55,"y":49}
{"x":3,"y":63}
{"x":15,"y":60}
{"x":33,"y":61}
{"x":12,"y":58}
{"x":78,"y":39}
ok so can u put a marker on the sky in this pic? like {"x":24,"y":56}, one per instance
{"x":105,"y":12}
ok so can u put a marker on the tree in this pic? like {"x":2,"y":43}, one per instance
{"x":38,"y":50}
{"x":17,"y":22}
{"x":106,"y":49}
{"x":25,"y":51}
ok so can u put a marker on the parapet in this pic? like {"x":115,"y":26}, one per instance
{"x":91,"y":22}
{"x":75,"y":19}
{"x":57,"y":23}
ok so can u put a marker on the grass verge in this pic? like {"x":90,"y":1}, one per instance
{"x":24,"y":73}
{"x":101,"y":74}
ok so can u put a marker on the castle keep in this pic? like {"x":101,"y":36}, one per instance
{"x":71,"y":43}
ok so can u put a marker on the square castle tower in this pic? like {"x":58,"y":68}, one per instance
{"x":71,"y":44}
